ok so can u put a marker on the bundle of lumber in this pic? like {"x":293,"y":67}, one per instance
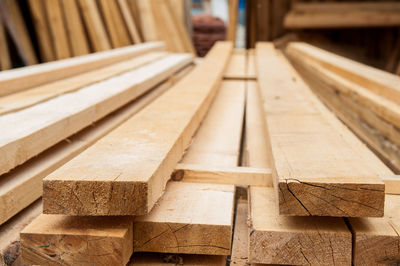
{"x":68,"y":28}
{"x":343,"y":15}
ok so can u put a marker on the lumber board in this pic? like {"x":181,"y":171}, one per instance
{"x":42,"y":30}
{"x":158,"y":259}
{"x":59,"y":239}
{"x":24,"y":99}
{"x":217,"y":142}
{"x":115,"y":25}
{"x":5,"y":60}
{"x":9,"y":233}
{"x":130,"y":21}
{"x":96,"y":29}
{"x":377,"y":81}
{"x":178,"y":113}
{"x":343,"y":15}
{"x":147,"y":21}
{"x":392,"y":184}
{"x":80,"y":109}
{"x":241,"y":176}
{"x":233,"y":20}
{"x":376,"y":240}
{"x":240,"y":242}
{"x":14,"y":22}
{"x":251,"y":65}
{"x":277,"y":239}
{"x":237,"y":66}
{"x":190,"y":218}
{"x":58,"y":29}
{"x":310,"y":185}
{"x":75,"y":30}
{"x":23,"y":78}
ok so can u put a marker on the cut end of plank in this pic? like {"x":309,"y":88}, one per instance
{"x":298,"y":198}
{"x":71,"y":198}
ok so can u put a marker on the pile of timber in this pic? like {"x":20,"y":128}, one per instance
{"x":235,"y":163}
{"x":68,"y":28}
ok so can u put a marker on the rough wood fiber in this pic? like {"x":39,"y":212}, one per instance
{"x":190,"y":218}
{"x":144,"y":153}
{"x":81,"y":108}
{"x":24,"y":78}
{"x":59,"y":239}
{"x":318,"y":170}
{"x":240,"y":245}
{"x":160,"y":259}
{"x":276,"y":239}
{"x":130,"y":21}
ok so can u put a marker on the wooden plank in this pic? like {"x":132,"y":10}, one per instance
{"x":24,"y":99}
{"x":81,"y":108}
{"x":147,"y":21}
{"x":96,"y":30}
{"x":5,"y":60}
{"x":377,"y":240}
{"x":16,"y":26}
{"x":115,"y":25}
{"x":309,"y":185}
{"x":237,"y":66}
{"x":23,"y":78}
{"x":343,"y":15}
{"x":157,"y":259}
{"x":58,"y":30}
{"x":251,"y":65}
{"x":59,"y":239}
{"x":42,"y":30}
{"x":182,"y":221}
{"x":276,"y":239}
{"x":264,"y":19}
{"x":240,"y":243}
{"x":144,"y":180}
{"x":217,"y":142}
{"x":241,"y":176}
{"x":233,"y":20}
{"x":23,"y":184}
{"x":76,"y":32}
{"x":130,"y":22}
{"x":9,"y":233}
{"x":392,"y":184}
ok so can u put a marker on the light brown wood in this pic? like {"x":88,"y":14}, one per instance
{"x":130,"y":22}
{"x":81,"y":108}
{"x":251,"y":65}
{"x":94,"y":24}
{"x":156,"y":259}
{"x":14,"y":22}
{"x":5,"y":60}
{"x":317,"y":182}
{"x":343,"y":15}
{"x":240,"y":176}
{"x":377,"y":240}
{"x":58,"y":239}
{"x":58,"y":31}
{"x":75,"y":30}
{"x":217,"y":142}
{"x":237,"y":66}
{"x":130,"y":172}
{"x":24,"y":99}
{"x":115,"y":25}
{"x":392,"y":184}
{"x":42,"y":30}
{"x":28,"y":77}
{"x":190,"y":218}
{"x":240,"y":243}
{"x":233,"y":20}
{"x":147,"y":21}
{"x":276,"y":239}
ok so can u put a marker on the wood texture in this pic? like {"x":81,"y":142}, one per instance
{"x":343,"y":15}
{"x":392,"y":184}
{"x":58,"y":239}
{"x":104,"y":191}
{"x":96,"y":30}
{"x":58,"y":29}
{"x":81,"y":108}
{"x":5,"y":60}
{"x":318,"y":182}
{"x":240,"y":176}
{"x":156,"y":259}
{"x":23,"y":78}
{"x":116,"y":27}
{"x":130,"y":21}
{"x":190,"y":218}
{"x":240,"y":242}
{"x":276,"y":239}
{"x":147,"y":21}
{"x":251,"y":65}
{"x":75,"y":30}
{"x":233,"y":20}
{"x":237,"y":65}
{"x":42,"y":30}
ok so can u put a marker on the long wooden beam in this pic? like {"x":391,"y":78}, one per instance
{"x":81,"y":108}
{"x":145,"y":150}
{"x":190,"y":218}
{"x":23,"y":78}
{"x":317,"y":170}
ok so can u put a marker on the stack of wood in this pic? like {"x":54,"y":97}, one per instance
{"x":238,"y":163}
{"x":64,"y":29}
